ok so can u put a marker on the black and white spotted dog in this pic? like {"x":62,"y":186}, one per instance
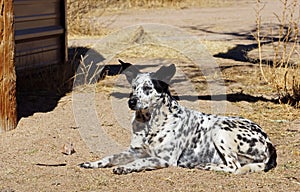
{"x":167,"y":134}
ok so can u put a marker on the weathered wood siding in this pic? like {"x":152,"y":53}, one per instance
{"x":8,"y":108}
{"x":40,"y":34}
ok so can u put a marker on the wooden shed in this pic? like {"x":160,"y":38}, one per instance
{"x":32,"y":36}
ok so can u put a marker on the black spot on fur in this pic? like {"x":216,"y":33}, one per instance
{"x":161,"y":139}
{"x":150,"y":141}
{"x":252,"y":142}
{"x":245,"y":140}
{"x":229,"y":124}
{"x":239,"y":137}
{"x":243,"y":127}
{"x":261,"y":140}
{"x":195,"y":140}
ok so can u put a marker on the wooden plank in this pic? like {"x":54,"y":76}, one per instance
{"x":38,"y":32}
{"x":36,"y":21}
{"x":8,"y":112}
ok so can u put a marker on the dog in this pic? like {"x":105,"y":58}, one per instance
{"x":164,"y":133}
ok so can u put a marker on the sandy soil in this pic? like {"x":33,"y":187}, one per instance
{"x":32,"y":158}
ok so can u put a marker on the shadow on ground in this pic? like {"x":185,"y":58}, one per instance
{"x":39,"y":90}
{"x":232,"y":97}
{"x":240,"y":51}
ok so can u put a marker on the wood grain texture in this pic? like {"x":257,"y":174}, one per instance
{"x":8,"y":112}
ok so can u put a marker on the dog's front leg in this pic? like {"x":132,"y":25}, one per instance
{"x":110,"y":161}
{"x":148,"y":163}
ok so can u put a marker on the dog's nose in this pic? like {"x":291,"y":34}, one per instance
{"x":132,"y":103}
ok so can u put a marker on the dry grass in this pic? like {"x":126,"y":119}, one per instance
{"x":283,"y":56}
{"x":82,"y":17}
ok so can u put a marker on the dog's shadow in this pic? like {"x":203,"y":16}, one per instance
{"x":232,"y":97}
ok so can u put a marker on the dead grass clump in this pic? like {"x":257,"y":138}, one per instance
{"x":283,"y":58}
{"x":80,"y":17}
{"x":87,"y":74}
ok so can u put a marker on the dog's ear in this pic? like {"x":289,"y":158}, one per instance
{"x":129,"y":70}
{"x":124,"y":65}
{"x":160,"y":86}
{"x":165,"y":74}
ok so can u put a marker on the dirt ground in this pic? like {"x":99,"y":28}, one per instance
{"x":31,"y":155}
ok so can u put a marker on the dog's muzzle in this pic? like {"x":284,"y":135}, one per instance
{"x":132,"y":103}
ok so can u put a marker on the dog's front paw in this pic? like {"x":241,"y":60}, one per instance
{"x":121,"y":170}
{"x":88,"y":165}
{"x":201,"y":166}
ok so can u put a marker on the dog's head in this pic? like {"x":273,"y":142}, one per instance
{"x":147,"y":88}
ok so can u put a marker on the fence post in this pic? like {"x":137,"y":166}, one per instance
{"x":8,"y":104}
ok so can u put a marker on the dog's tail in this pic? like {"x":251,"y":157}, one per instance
{"x":273,"y":156}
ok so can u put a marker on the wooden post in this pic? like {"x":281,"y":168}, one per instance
{"x":8,"y":105}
